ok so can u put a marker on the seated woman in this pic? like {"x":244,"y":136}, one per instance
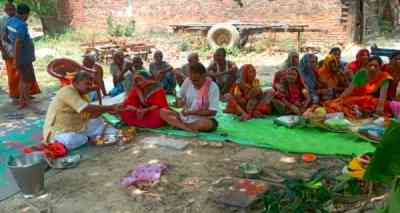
{"x":161,"y":72}
{"x":292,"y":60}
{"x":307,"y":70}
{"x":337,"y":52}
{"x":200,"y":102}
{"x":289,"y":95}
{"x":246,"y":98}
{"x":393,"y":68}
{"x":360,"y":62}
{"x":142,"y":107}
{"x":331,"y":82}
{"x":366,"y":94}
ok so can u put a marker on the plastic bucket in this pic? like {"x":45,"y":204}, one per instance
{"x":28,"y":172}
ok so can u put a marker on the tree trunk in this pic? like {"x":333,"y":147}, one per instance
{"x":52,"y":25}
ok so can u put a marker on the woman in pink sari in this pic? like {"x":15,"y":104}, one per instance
{"x":143,"y":105}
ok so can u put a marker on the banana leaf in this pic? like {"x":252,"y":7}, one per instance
{"x":385,"y":165}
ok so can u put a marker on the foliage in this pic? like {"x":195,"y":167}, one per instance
{"x":41,"y":7}
{"x":239,"y":2}
{"x":386,"y":162}
{"x":234,"y":51}
{"x":301,"y":196}
{"x":184,"y":46}
{"x":385,"y":26}
{"x":119,"y":30}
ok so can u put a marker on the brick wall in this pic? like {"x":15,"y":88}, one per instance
{"x":158,"y":14}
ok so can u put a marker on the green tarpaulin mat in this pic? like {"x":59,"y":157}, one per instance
{"x":264,"y":133}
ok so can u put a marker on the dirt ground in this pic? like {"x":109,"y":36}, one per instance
{"x":186,"y":186}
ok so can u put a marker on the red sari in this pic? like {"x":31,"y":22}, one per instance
{"x":362,"y":97}
{"x":150,"y":95}
{"x":356,"y":65}
{"x":286,"y":92}
{"x":395,"y":73}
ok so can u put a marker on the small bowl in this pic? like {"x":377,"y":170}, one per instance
{"x":67,"y":162}
{"x":309,"y":157}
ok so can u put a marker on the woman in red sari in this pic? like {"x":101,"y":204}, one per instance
{"x":366,"y":94}
{"x":246,"y":98}
{"x":393,"y":68}
{"x":143,"y":105}
{"x":360,"y":62}
{"x":290,"y":96}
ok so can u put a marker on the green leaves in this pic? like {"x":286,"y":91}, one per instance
{"x":300,"y":196}
{"x":41,"y":7}
{"x":385,"y":164}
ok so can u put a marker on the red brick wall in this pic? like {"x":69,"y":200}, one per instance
{"x":158,"y":14}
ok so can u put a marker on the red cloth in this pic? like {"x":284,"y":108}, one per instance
{"x":151,"y":119}
{"x":293,"y":92}
{"x":52,"y":150}
{"x":356,"y":65}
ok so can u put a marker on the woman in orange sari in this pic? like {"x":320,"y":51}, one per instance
{"x":366,"y":94}
{"x":360,"y":62}
{"x":246,"y":98}
{"x":393,"y":68}
{"x":331,"y":82}
{"x":143,"y":105}
{"x":13,"y":81}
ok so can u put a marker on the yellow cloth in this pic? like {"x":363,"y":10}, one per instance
{"x":238,"y":92}
{"x":356,"y":169}
{"x":64,"y":113}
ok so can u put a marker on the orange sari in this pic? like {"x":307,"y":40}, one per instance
{"x":362,"y":98}
{"x":13,"y":80}
{"x":251,"y":103}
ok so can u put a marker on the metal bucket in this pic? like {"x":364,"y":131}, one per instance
{"x":28,"y":172}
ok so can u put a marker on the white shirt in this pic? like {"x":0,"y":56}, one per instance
{"x":189,"y":94}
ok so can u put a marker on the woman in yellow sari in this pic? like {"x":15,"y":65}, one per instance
{"x":331,"y":82}
{"x":366,"y":94}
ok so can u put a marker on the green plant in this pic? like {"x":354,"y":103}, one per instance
{"x":234,"y":51}
{"x":385,"y":26}
{"x":119,"y":30}
{"x":300,"y":196}
{"x":184,"y":46}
